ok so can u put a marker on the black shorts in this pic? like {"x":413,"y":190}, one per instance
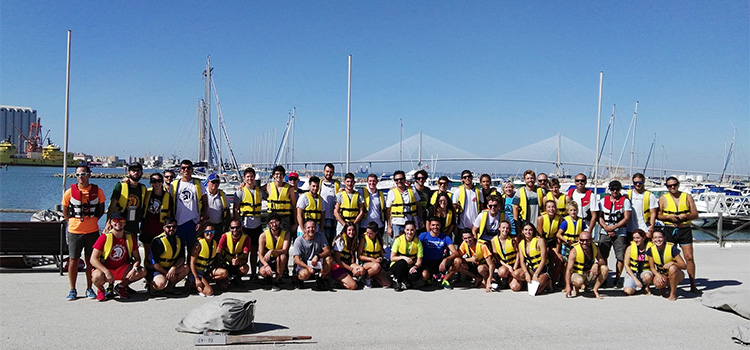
{"x":254,"y":235}
{"x":78,"y":242}
{"x":433,"y":266}
{"x":473,"y":267}
{"x":233,"y":270}
{"x":679,"y":235}
{"x":620,"y":243}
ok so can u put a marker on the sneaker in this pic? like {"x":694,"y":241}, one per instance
{"x":402,"y":285}
{"x":100,"y":295}
{"x":72,"y":295}
{"x":90,"y":293}
{"x":368,"y":283}
{"x":122,"y":292}
{"x":130,"y":290}
{"x":275,"y":286}
{"x":398,"y":287}
{"x":109,"y":293}
{"x":446,"y":285}
{"x":296,"y":282}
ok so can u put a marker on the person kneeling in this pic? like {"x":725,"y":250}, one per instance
{"x":203,"y":264}
{"x":344,"y":267}
{"x":475,"y":260}
{"x":273,"y":252}
{"x":666,"y":264}
{"x":638,"y":275}
{"x":372,"y":257}
{"x":115,"y":258}
{"x":234,"y":247}
{"x":406,"y":257}
{"x":312,"y":255}
{"x":585,"y":266}
{"x":167,"y":261}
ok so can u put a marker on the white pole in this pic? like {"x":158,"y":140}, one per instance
{"x":294,"y":123}
{"x":632,"y":142}
{"x":67,"y":118}
{"x":349,"y":117}
{"x":598,"y":131}
{"x":400,"y":144}
{"x":611,"y":139}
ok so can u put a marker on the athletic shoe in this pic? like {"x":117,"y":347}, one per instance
{"x":90,"y":293}
{"x":398,"y":287}
{"x":130,"y":290}
{"x":100,"y":295}
{"x":109,"y":293}
{"x":446,"y":285}
{"x":122,"y":292}
{"x":402,"y":285}
{"x":72,"y":295}
{"x":368,"y":283}
{"x":275,"y":286}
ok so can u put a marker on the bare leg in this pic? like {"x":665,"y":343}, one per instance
{"x":675,"y":277}
{"x":73,"y":272}
{"x":603,"y":270}
{"x":687,"y":250}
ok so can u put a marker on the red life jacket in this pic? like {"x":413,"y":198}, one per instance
{"x":585,"y":200}
{"x":77,"y":207}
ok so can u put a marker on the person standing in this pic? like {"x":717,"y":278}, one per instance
{"x":128,"y":200}
{"x":677,"y":210}
{"x":467,"y":199}
{"x":374,"y":205}
{"x":157,"y":206}
{"x":82,"y":207}
{"x":169,"y":176}
{"x":509,"y":191}
{"x":310,"y":206}
{"x":248,"y":203}
{"x":615,"y":214}
{"x":349,"y":203}
{"x":588,"y":202}
{"x":281,"y":198}
{"x":527,"y":200}
{"x":328,"y":189}
{"x":424,"y":192}
{"x":645,"y":207}
{"x":402,"y":206}
{"x":217,"y":212}
{"x":190,"y":205}
{"x":485,"y":182}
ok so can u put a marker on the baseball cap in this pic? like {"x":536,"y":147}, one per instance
{"x":293,"y":175}
{"x":135,"y":166}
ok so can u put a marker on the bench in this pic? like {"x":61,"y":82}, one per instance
{"x":34,"y":238}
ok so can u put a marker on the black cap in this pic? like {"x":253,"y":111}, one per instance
{"x":116,"y":215}
{"x":135,"y":166}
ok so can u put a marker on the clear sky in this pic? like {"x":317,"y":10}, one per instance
{"x":488,"y":77}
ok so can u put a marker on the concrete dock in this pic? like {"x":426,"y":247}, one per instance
{"x":35,"y":315}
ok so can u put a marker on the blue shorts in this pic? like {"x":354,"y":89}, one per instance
{"x":628,"y":282}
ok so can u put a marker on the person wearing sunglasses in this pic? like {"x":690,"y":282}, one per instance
{"x":485,"y":182}
{"x":487,"y":223}
{"x":204,"y":264}
{"x":401,"y":207}
{"x":82,"y":206}
{"x":645,"y":207}
{"x":615,"y":212}
{"x":190,"y":203}
{"x":677,"y":210}
{"x":234,"y":248}
{"x":281,"y":198}
{"x":158,"y":206}
{"x":167,"y":265}
{"x":443,"y":184}
{"x":169,"y":176}
{"x":424,"y":192}
{"x":116,"y":258}
{"x":587,"y":201}
{"x":128,"y":199}
{"x":586,"y":267}
{"x":467,"y":199}
{"x":217,"y":213}
{"x":527,"y":201}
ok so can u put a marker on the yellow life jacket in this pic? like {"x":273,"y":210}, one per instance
{"x":198,"y":194}
{"x":398,"y":210}
{"x":646,"y":204}
{"x":462,"y":197}
{"x":347,"y":255}
{"x":550,"y":227}
{"x":660,"y":261}
{"x":279,"y":202}
{"x":366,"y":195}
{"x":506,"y":251}
{"x":573,"y":231}
{"x":485,"y":215}
{"x":109,"y":240}
{"x":233,"y":247}
{"x":349,"y":206}
{"x":206,"y":255}
{"x":279,"y":243}
{"x":407,"y":249}
{"x":673,"y":209}
{"x":122,"y":201}
{"x":166,"y":202}
{"x":372,"y":249}
{"x":523,"y":202}
{"x":476,"y":252}
{"x":533,"y":256}
{"x":171,"y":254}
{"x":636,"y":265}
{"x":581,"y":263}
{"x":561,"y":209}
{"x":435,"y":194}
{"x":314,"y":208}
{"x":251,"y":204}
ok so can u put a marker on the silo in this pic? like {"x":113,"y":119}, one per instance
{"x":17,"y":125}
{"x":3,"y":118}
{"x":26,"y":120}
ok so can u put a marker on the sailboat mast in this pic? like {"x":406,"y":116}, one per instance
{"x":632,"y":142}
{"x":291,"y":165}
{"x":204,"y":130}
{"x":349,"y":117}
{"x":598,"y":131}
{"x":611,"y":140}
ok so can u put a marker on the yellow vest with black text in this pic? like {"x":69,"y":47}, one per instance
{"x":635,"y":265}
{"x":251,"y":204}
{"x":349,"y":206}
{"x":166,"y":203}
{"x":314,"y":208}
{"x":171,"y":254}
{"x":373,"y":249}
{"x":122,"y":201}
{"x":398,"y":209}
{"x":233,"y":248}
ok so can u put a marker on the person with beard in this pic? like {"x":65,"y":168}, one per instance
{"x":128,"y":200}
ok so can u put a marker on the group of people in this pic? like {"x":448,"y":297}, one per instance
{"x":534,"y":237}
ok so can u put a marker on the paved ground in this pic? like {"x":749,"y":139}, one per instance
{"x":35,"y":315}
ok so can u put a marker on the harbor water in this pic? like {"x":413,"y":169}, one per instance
{"x":27,"y":187}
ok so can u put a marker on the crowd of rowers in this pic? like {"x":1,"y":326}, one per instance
{"x":410,"y":237}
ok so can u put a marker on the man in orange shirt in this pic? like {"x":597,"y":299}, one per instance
{"x":83,"y":205}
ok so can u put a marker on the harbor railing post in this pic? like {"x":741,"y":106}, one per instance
{"x":719,"y":229}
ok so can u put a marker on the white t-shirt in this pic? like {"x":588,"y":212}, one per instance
{"x":493,"y":223}
{"x":593,"y":204}
{"x":187,"y":202}
{"x":636,"y":215}
{"x":328,"y":195}
{"x":215,"y":208}
{"x":406,"y":200}
{"x":373,"y":213}
{"x":470,"y":211}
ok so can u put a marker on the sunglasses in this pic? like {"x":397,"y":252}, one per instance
{"x":209,"y":232}
{"x":155,"y":181}
{"x":186,"y":167}
{"x":580,"y":180}
{"x":169,"y":177}
{"x":82,"y":174}
{"x":672,"y":185}
{"x":492,"y":206}
{"x":235,"y":227}
{"x":542,"y":181}
{"x":118,"y":221}
{"x":637,"y":182}
{"x":170,"y":227}
{"x":467,"y":177}
{"x":443,"y":183}
{"x":399,"y":179}
{"x":420,"y":177}
{"x":216,"y":182}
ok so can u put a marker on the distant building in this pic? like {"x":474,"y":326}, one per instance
{"x":16,"y":121}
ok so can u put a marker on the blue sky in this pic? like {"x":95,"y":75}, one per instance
{"x":488,"y":77}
